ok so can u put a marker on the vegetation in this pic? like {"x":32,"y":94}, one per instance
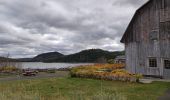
{"x":47,"y":56}
{"x":105,"y":72}
{"x":51,"y":71}
{"x":8,"y":65}
{"x":8,"y":69}
{"x":5,"y":59}
{"x":91,"y":55}
{"x":80,"y":89}
{"x":111,"y":61}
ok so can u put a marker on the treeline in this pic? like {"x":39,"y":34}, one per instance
{"x":91,"y":55}
{"x":85,"y":56}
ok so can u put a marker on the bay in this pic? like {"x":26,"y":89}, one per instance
{"x":41,"y":65}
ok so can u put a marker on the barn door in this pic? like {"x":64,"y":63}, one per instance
{"x":166,"y":68}
{"x":153,"y":67}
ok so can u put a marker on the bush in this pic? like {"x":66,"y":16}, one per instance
{"x":138,"y":76}
{"x":111,"y":61}
{"x":51,"y":71}
{"x":105,"y":72}
{"x":8,"y":69}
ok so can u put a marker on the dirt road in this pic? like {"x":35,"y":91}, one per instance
{"x":38,"y":76}
{"x":166,"y":96}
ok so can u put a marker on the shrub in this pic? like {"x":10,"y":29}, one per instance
{"x":8,"y":69}
{"x":51,"y":71}
{"x":138,"y":76}
{"x":105,"y":72}
{"x":111,"y":61}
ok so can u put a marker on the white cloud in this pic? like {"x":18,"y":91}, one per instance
{"x":30,"y":27}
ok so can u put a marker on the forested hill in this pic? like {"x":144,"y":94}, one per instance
{"x":47,"y":56}
{"x":3,"y":59}
{"x":42,"y":57}
{"x":91,"y":55}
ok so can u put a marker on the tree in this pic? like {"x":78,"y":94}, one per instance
{"x":111,"y":61}
{"x":7,"y":64}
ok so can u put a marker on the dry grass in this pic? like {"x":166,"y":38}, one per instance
{"x":105,"y":72}
{"x":79,"y":89}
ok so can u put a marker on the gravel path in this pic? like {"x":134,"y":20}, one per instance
{"x":38,"y":76}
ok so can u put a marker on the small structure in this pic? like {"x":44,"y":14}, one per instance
{"x":147,"y":40}
{"x":29,"y":72}
{"x":120,"y":59}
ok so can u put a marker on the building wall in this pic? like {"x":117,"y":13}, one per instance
{"x":150,"y":38}
{"x":165,"y":45}
{"x":131,"y":54}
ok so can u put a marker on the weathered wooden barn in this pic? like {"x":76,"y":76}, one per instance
{"x":147,"y":40}
{"x":120,"y":59}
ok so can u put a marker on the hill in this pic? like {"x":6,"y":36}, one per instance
{"x":85,"y":56}
{"x":3,"y":59}
{"x":47,"y":56}
{"x":91,"y":55}
{"x":25,"y":59}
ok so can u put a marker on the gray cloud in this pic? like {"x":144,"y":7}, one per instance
{"x":31,"y":27}
{"x":134,"y":3}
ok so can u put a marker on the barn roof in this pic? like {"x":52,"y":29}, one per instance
{"x":120,"y":57}
{"x":131,"y":22}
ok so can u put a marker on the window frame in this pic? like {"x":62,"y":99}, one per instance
{"x":154,"y":35}
{"x":165,"y":64}
{"x":152,"y":62}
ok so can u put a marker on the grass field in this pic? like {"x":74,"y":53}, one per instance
{"x":67,"y":88}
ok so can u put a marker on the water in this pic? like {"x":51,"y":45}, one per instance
{"x":40,"y":65}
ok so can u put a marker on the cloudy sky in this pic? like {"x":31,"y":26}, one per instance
{"x":31,"y":27}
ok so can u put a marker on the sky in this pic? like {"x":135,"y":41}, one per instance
{"x":31,"y":27}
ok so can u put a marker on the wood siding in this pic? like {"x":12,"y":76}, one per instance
{"x":149,"y":36}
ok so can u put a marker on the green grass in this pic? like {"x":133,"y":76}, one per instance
{"x":5,"y":75}
{"x":80,"y":89}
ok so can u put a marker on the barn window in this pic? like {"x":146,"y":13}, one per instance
{"x":167,"y":64}
{"x":154,"y":35}
{"x":152,"y":62}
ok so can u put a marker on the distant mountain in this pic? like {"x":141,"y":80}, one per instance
{"x":91,"y":55}
{"x":3,"y":59}
{"x":25,"y":59}
{"x":42,"y":57}
{"x":86,"y":56}
{"x":47,"y":56}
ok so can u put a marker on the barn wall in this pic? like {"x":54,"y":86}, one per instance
{"x":165,"y":54}
{"x":153,"y":18}
{"x":166,"y":74}
{"x":131,"y":54}
{"x":165,"y":44}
